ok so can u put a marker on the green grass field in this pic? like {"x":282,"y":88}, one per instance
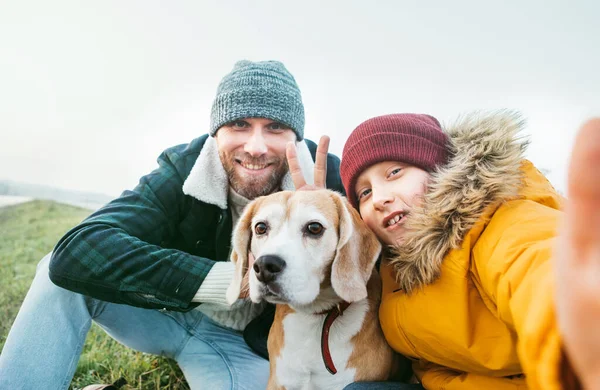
{"x":30,"y":230}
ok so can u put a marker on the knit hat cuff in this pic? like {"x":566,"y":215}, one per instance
{"x":258,"y":103}
{"x":390,"y":146}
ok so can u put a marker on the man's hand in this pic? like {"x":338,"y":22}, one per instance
{"x":578,"y":259}
{"x":245,"y":290}
{"x":320,"y":166}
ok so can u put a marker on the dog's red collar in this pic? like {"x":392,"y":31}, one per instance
{"x":332,"y":314}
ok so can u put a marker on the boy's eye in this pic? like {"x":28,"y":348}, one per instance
{"x":363,"y":193}
{"x":395,"y":171}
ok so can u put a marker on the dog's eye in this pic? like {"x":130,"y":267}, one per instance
{"x":314,"y":228}
{"x":260,"y":228}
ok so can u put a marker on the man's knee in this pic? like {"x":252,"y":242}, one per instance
{"x":43,"y":291}
{"x":41,"y":283}
{"x":44,"y":263}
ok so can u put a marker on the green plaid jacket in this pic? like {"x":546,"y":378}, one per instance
{"x":153,"y":246}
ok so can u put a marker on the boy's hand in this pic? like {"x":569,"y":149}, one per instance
{"x":578,"y":259}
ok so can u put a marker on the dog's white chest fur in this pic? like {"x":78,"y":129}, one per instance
{"x":300,"y":364}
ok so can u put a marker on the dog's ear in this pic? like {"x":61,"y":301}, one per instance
{"x":239,"y":254}
{"x":356,"y":254}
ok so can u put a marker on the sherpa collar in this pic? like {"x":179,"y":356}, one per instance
{"x":208,"y":180}
{"x":484,"y":170}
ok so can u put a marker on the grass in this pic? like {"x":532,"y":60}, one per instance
{"x":29,"y":231}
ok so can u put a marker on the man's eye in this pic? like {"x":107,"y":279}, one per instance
{"x":238,"y":124}
{"x":260,"y":228}
{"x":363,"y":193}
{"x":314,"y":228}
{"x":277,"y":126}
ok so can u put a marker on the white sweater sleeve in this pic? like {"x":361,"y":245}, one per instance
{"x":215,"y":284}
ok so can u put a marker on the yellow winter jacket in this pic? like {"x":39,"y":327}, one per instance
{"x":469,"y":296}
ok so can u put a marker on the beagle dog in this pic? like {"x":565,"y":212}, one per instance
{"x":315,"y":260}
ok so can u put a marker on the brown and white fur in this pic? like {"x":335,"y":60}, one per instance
{"x":315,"y":273}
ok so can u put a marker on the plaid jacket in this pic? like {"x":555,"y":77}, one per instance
{"x":153,"y":246}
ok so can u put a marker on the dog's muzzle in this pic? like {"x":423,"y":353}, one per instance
{"x":268,"y":267}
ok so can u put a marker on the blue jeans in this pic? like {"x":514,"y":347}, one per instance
{"x":46,"y":339}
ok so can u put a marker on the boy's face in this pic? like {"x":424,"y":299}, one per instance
{"x":252,"y":151}
{"x":386,"y":193}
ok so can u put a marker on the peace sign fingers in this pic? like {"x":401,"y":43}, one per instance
{"x":321,"y":162}
{"x":320,"y":170}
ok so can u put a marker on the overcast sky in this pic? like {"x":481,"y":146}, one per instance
{"x":92,"y":92}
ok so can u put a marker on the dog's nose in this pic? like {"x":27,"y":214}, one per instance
{"x":268,"y":267}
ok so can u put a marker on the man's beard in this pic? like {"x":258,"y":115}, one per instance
{"x":252,"y":187}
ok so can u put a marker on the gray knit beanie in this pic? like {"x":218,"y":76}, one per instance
{"x":258,"y":90}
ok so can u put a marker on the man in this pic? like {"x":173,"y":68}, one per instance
{"x":139,"y":265}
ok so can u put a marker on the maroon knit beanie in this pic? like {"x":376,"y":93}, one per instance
{"x":415,"y":139}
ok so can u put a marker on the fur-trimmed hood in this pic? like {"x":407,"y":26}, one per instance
{"x":484,"y":170}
